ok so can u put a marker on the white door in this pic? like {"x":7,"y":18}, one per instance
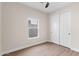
{"x":65,"y":29}
{"x":54,"y":28}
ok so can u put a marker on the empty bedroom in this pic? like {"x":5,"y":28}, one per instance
{"x":39,"y":28}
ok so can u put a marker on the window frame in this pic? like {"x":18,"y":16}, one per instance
{"x":37,"y":28}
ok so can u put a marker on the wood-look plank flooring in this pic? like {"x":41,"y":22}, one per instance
{"x":45,"y":49}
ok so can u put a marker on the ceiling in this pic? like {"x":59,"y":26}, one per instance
{"x":41,"y":6}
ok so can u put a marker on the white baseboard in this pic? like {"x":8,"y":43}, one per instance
{"x":48,"y":41}
{"x":53,"y":42}
{"x":75,"y":49}
{"x":22,"y":47}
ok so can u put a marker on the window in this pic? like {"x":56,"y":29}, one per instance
{"x":33,"y":28}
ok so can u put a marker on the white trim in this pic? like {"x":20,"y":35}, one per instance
{"x":54,"y":42}
{"x":75,"y":49}
{"x":34,"y":38}
{"x":19,"y":48}
{"x":49,"y":41}
{"x":22,"y":47}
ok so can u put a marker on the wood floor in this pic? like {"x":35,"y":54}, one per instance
{"x":45,"y":49}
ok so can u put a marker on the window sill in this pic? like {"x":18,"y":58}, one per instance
{"x":34,"y":38}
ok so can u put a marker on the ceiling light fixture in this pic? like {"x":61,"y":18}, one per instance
{"x":46,"y":5}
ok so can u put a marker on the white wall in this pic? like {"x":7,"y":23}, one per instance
{"x":75,"y":26}
{"x":0,"y":28}
{"x":14,"y":26}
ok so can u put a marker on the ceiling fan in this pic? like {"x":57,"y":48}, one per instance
{"x":46,"y":5}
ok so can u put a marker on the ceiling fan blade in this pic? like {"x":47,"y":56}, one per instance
{"x":47,"y":4}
